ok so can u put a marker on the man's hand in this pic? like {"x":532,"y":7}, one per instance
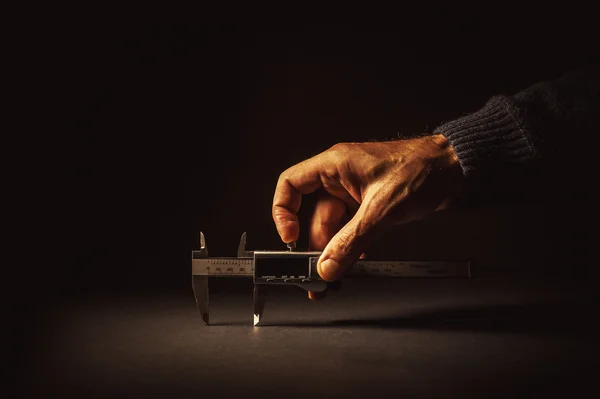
{"x":364,"y":188}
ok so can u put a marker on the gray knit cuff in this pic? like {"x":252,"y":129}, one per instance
{"x":490,"y":137}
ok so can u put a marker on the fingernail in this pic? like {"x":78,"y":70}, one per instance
{"x":327,"y":268}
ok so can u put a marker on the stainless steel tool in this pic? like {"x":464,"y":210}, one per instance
{"x":299,"y":268}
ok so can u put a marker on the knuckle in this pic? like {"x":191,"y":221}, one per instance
{"x":339,"y":148}
{"x":276,"y":213}
{"x":283,"y":176}
{"x":280,"y":216}
{"x":344,"y":243}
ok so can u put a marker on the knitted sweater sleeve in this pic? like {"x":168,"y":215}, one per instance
{"x":511,"y":133}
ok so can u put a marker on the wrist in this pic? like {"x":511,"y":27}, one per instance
{"x":445,"y":152}
{"x":448,"y":162}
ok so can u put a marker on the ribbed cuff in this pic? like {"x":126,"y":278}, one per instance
{"x":489,"y":137}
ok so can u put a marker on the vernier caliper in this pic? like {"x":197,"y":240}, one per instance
{"x":299,"y":268}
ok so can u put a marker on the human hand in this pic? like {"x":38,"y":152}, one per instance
{"x":363,"y":189}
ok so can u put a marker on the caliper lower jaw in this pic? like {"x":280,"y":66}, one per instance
{"x":200,"y":282}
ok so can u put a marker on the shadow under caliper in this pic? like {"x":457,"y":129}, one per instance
{"x":299,"y":268}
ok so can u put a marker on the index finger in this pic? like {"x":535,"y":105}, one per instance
{"x":303,"y":178}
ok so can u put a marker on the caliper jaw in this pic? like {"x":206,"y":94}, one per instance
{"x":291,"y":268}
{"x":200,"y":278}
{"x":200,"y":282}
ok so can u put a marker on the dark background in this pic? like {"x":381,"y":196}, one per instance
{"x":211,"y":115}
{"x":174,"y":127}
{"x":185,"y":127}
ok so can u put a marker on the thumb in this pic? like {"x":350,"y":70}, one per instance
{"x":346,"y":247}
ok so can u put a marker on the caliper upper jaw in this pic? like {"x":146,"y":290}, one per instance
{"x":241,"y":251}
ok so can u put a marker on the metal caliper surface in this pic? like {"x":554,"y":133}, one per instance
{"x":299,"y":268}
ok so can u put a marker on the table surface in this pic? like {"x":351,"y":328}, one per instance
{"x":482,"y":337}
